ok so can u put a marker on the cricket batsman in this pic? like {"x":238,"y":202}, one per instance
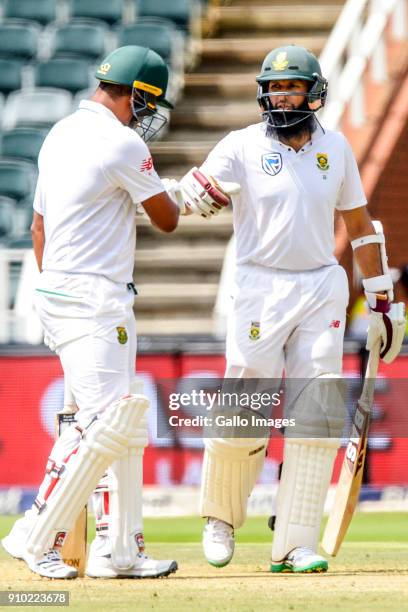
{"x":94,"y":170}
{"x":289,"y":308}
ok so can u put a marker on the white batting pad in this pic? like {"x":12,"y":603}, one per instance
{"x":230,"y":470}
{"x":125,"y":482}
{"x":105,"y":440}
{"x":305,"y":479}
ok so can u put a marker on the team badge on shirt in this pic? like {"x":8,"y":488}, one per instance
{"x":272,"y":163}
{"x":322,"y":161}
{"x":122,"y":335}
{"x":255,"y":330}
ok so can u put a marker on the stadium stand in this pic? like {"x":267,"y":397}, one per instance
{"x":79,"y":38}
{"x":22,"y":142}
{"x":72,"y":74}
{"x":42,"y":11}
{"x":36,"y":106}
{"x":7,"y":215}
{"x":181,"y":12}
{"x":10,"y":75}
{"x":17,"y":178}
{"x":110,"y":11}
{"x":19,"y":39}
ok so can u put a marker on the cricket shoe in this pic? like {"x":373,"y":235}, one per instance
{"x":100,"y":564}
{"x":49,"y":565}
{"x":218,"y":542}
{"x":300,"y":560}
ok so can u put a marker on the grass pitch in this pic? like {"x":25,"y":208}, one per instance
{"x":370,"y":573}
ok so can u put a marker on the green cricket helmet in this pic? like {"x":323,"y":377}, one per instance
{"x":146,"y":73}
{"x":289,"y":63}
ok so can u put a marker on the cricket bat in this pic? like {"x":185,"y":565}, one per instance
{"x":349,"y":484}
{"x":74,"y":547}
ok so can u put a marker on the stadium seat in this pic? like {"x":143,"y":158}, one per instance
{"x":83,"y":38}
{"x":110,"y":11}
{"x":43,"y":11}
{"x":19,"y":39}
{"x":181,"y":12}
{"x":10,"y":75}
{"x":68,"y":73}
{"x":37,"y":106}
{"x":17,"y":178}
{"x":7,"y":216}
{"x":23,"y":142}
{"x":154,"y":33}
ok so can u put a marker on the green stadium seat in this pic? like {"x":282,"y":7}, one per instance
{"x":83,"y":38}
{"x":23,"y":142}
{"x":22,"y":242}
{"x":7,"y":216}
{"x":43,"y":11}
{"x":180,"y":12}
{"x":67,"y":73}
{"x":110,"y":11}
{"x":10,"y":75}
{"x":17,"y":178}
{"x":157,"y":34}
{"x":19,"y":39}
{"x":41,"y":106}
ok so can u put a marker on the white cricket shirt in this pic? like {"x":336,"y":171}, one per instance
{"x":284,"y":214}
{"x":92,"y":172}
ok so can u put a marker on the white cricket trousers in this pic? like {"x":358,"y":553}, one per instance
{"x":283,"y":320}
{"x":88,"y":320}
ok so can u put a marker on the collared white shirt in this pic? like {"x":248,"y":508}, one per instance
{"x":92,"y":172}
{"x":284,"y":214}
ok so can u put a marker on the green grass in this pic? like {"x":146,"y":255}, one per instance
{"x":370,"y":573}
{"x":367,"y":527}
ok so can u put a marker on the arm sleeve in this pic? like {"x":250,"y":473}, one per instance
{"x":351,"y":192}
{"x":221,"y":162}
{"x":129,"y":165}
{"x":38,"y":203}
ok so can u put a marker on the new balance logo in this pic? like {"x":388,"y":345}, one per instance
{"x":147,"y":165}
{"x":335,"y":323}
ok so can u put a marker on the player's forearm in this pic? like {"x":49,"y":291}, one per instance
{"x":359,"y":224}
{"x":37,"y":233}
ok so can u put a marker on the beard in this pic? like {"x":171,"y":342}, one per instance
{"x":307,"y":125}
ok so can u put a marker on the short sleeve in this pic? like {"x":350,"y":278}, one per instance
{"x":38,"y":203}
{"x":352,"y":193}
{"x":129,"y":165}
{"x":221,"y":162}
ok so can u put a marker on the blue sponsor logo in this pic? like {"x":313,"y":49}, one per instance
{"x":272,"y":163}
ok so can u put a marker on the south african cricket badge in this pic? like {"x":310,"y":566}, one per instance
{"x":122,"y":335}
{"x":255,"y":330}
{"x":322,"y":161}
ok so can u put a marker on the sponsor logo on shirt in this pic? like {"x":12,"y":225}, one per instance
{"x":335,"y":323}
{"x":272,"y":163}
{"x":122,"y":335}
{"x":322,"y":161}
{"x":255,"y":330}
{"x":280,"y":62}
{"x":146,"y":165}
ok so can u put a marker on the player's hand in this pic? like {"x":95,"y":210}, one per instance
{"x":387,"y":322}
{"x":203,"y":195}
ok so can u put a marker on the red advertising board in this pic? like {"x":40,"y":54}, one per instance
{"x":31,"y":391}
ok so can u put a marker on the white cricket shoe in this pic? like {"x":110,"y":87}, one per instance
{"x":218,"y":542}
{"x":300,"y":559}
{"x":100,"y":564}
{"x":49,"y":565}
